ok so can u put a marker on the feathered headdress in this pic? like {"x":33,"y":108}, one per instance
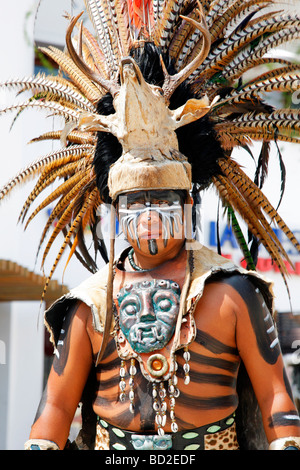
{"x":162,"y":81}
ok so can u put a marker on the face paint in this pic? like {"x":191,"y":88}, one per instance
{"x":152,"y":247}
{"x":167,"y":205}
{"x":148,"y":311}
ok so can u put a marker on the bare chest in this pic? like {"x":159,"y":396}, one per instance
{"x":205,"y":378}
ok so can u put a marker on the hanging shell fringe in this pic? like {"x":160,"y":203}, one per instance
{"x":159,"y":392}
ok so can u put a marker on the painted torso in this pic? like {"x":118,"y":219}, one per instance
{"x":232,"y":311}
{"x":231,"y":319}
{"x":214,"y":363}
{"x":210,"y":396}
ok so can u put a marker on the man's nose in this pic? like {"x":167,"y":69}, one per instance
{"x":147,"y":311}
{"x":149,"y":216}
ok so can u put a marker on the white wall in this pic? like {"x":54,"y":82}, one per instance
{"x":25,"y":361}
{"x":21,"y":370}
{"x":51,"y":23}
{"x":5,"y":326}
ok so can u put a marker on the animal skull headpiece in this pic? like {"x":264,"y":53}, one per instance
{"x":145,"y":127}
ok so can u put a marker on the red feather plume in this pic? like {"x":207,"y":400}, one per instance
{"x":141,"y":14}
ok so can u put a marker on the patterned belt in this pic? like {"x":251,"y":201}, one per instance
{"x":220,"y":435}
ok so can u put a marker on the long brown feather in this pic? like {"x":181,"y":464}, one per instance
{"x":73,"y":229}
{"x":61,"y":206}
{"x":83,"y":83}
{"x":233,"y":197}
{"x":73,"y":137}
{"x":256,"y":198}
{"x":65,"y":188}
{"x":43,"y":182}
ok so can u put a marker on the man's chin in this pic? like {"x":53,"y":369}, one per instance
{"x":161,"y":245}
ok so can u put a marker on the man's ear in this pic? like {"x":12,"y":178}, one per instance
{"x":189,"y":200}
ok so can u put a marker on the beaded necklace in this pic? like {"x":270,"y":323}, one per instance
{"x":134,"y":266}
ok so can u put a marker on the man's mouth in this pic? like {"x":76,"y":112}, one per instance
{"x":148,"y":232}
{"x":149,"y":235}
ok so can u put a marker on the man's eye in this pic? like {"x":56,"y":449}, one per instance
{"x":164,"y":203}
{"x":160,"y":202}
{"x":136,"y":206}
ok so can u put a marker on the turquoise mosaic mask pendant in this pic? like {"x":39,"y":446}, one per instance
{"x":147,"y":313}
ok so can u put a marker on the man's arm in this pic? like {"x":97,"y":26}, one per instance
{"x":67,"y":378}
{"x":259,"y":349}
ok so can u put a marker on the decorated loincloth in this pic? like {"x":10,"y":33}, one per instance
{"x":220,"y":435}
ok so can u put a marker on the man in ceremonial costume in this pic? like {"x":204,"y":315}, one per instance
{"x":161,"y":344}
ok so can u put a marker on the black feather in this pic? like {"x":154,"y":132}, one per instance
{"x":282,"y":173}
{"x":108,"y":150}
{"x":262,"y":165}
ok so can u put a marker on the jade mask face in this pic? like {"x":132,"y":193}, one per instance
{"x":147,"y":313}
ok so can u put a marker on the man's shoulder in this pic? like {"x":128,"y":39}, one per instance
{"x":205,"y":258}
{"x":205,"y":263}
{"x":208,"y":266}
{"x":90,"y":295}
{"x":97,"y":280}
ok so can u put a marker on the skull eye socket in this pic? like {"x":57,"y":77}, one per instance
{"x":161,"y":444}
{"x":158,"y":90}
